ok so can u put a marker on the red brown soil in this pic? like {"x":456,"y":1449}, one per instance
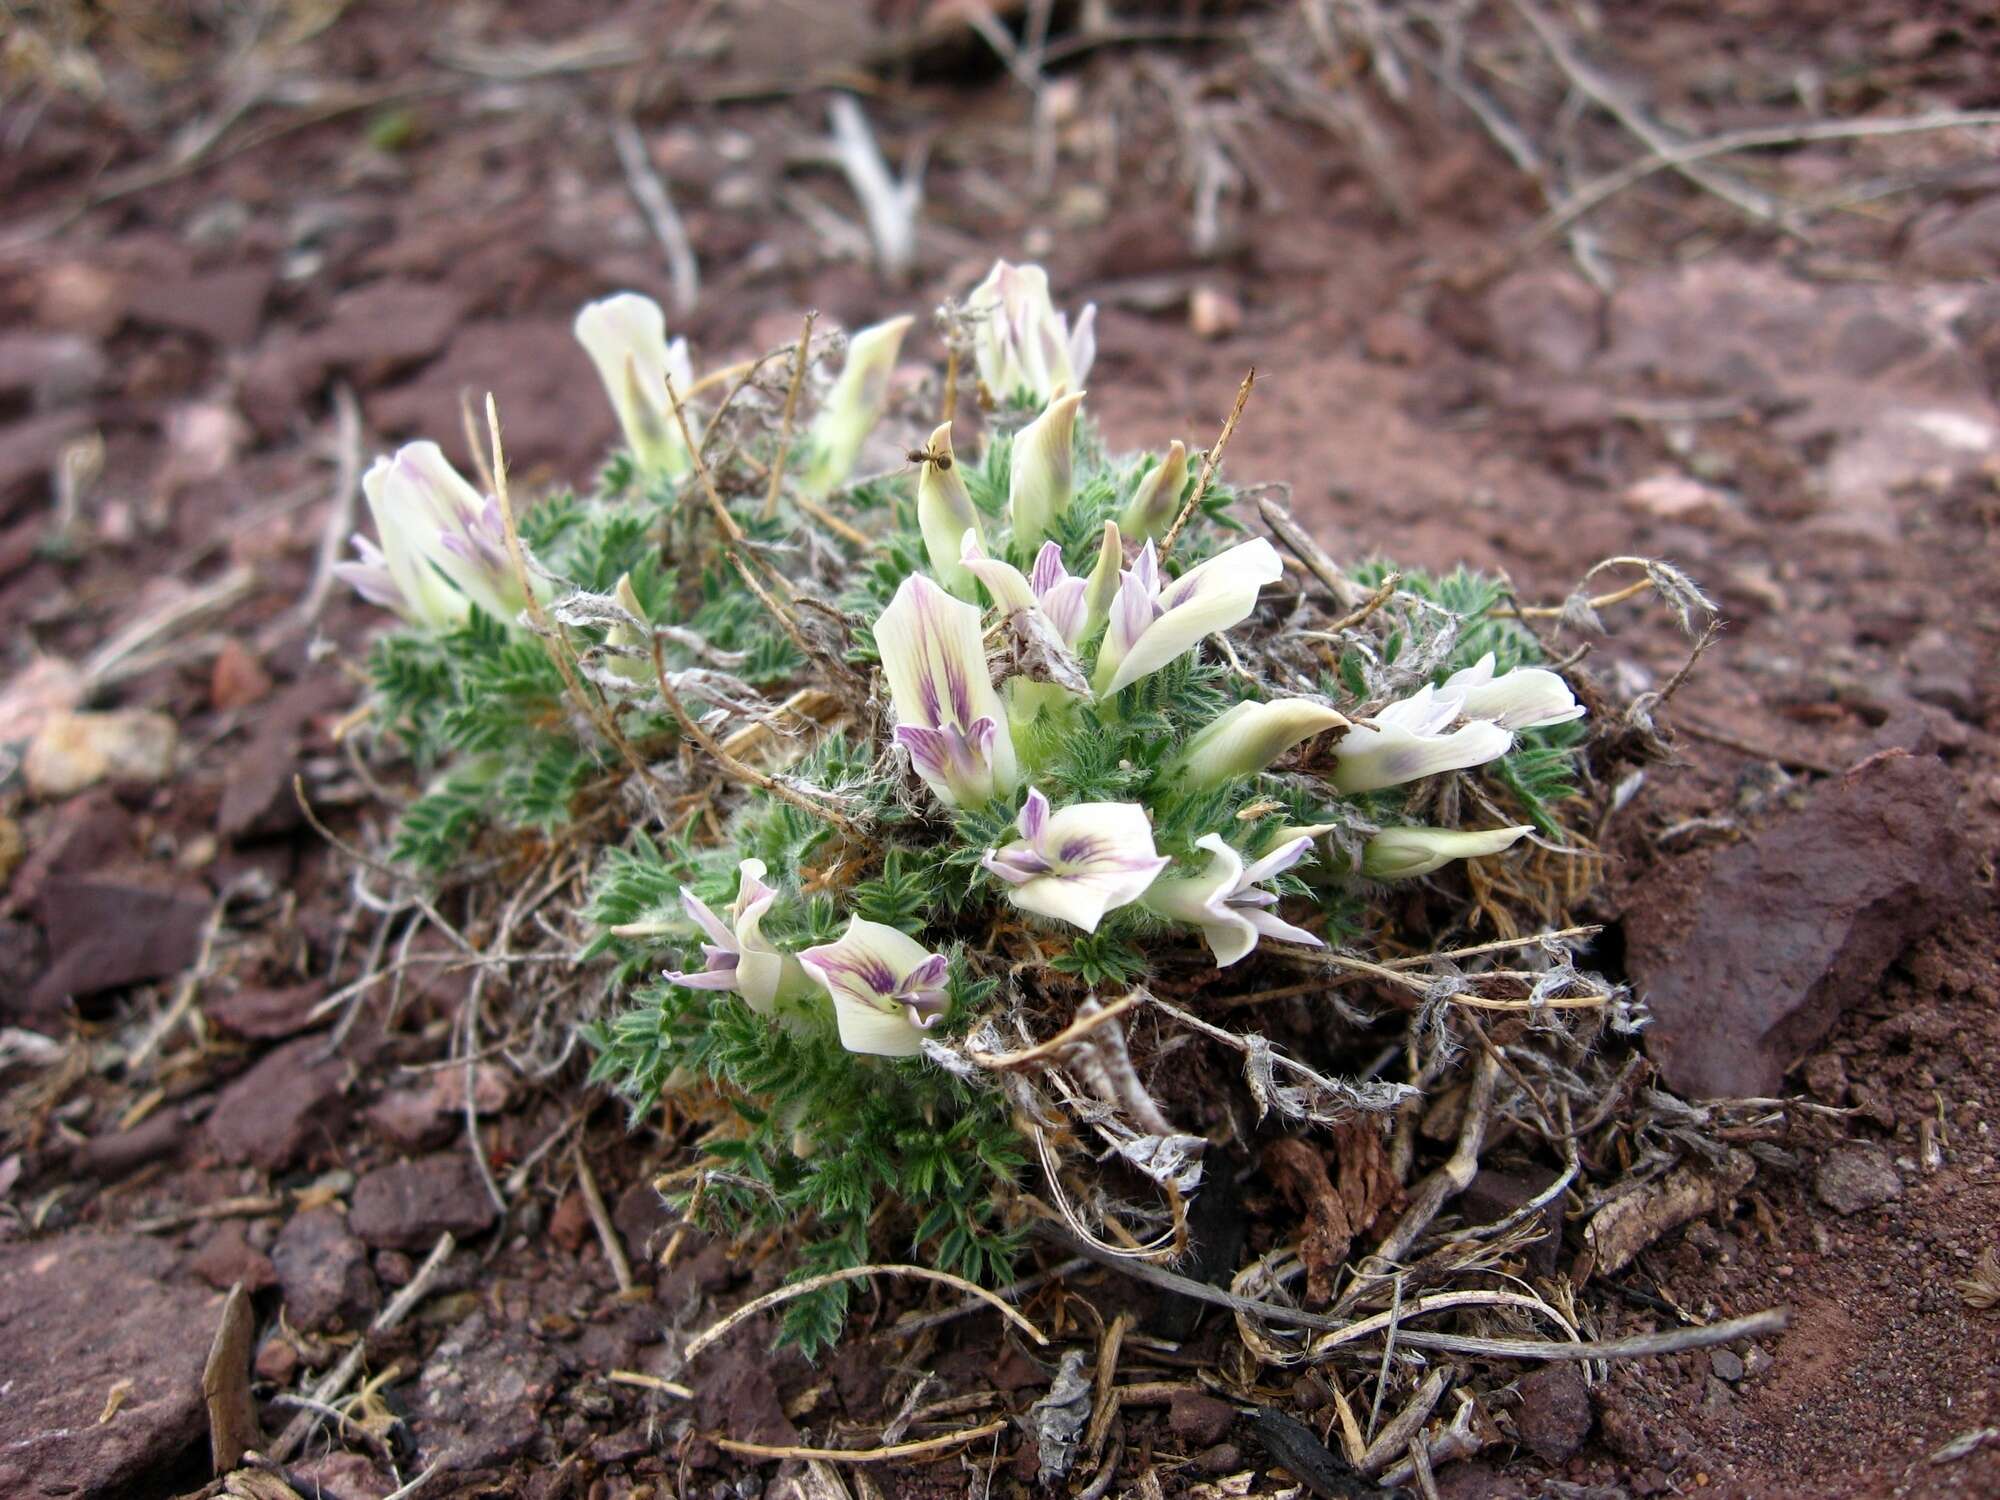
{"x":1413,"y":411}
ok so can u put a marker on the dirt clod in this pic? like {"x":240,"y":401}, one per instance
{"x":1857,"y":1177}
{"x":324,"y":1270}
{"x":406,"y":1206}
{"x":1554,"y":1416}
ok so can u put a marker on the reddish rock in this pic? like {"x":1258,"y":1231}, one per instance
{"x":114,"y":930}
{"x":324,"y":1270}
{"x":1199,"y":1421}
{"x":264,"y":1013}
{"x":408,"y":1205}
{"x":79,"y":1315}
{"x":289,"y":1100}
{"x":237,"y":679}
{"x":569,"y":1225}
{"x":1748,"y":970}
{"x":1554,"y":1416}
{"x":228,"y":1257}
{"x":224,"y":307}
{"x":480,"y":1399}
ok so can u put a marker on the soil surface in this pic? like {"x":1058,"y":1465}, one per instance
{"x":236,"y":258}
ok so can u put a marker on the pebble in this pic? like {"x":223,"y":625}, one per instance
{"x":1856,"y":1177}
{"x":72,"y":751}
{"x":1213,"y":314}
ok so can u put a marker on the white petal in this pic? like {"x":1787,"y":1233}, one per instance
{"x":945,"y":513}
{"x":935,"y":662}
{"x":1243,"y":740}
{"x":860,"y":972}
{"x":854,"y":404}
{"x":1217,"y":595}
{"x":409,"y":535}
{"x":1391,"y":758}
{"x":1157,"y":498}
{"x":1404,"y":853}
{"x":626,"y":338}
{"x":874,"y":1032}
{"x":1003,"y":580}
{"x":1525,"y":698}
{"x":1039,"y":482}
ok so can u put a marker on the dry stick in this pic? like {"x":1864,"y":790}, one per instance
{"x":813,"y":1283}
{"x":607,"y":1235}
{"x":1599,"y":189}
{"x":833,"y":523}
{"x":742,"y":770}
{"x":386,"y":1321}
{"x":1014,"y":1291}
{"x":1587,"y":929}
{"x":777,"y":611}
{"x":862,"y":1455}
{"x":785,"y":425}
{"x":1104,"y":1403}
{"x":1404,"y":1426}
{"x":730,"y":530}
{"x":339,"y":516}
{"x":1384,"y":591}
{"x":1346,"y":593}
{"x":1417,"y":984}
{"x":551,"y":638}
{"x":1597,"y":601}
{"x":650,"y":193}
{"x":1208,"y":462}
{"x":651,"y":1383}
{"x":1588,"y":81}
{"x":1446,"y":1182}
{"x":1074,"y":1032}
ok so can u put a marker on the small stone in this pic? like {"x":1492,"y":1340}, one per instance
{"x":394,"y":1268}
{"x":277,"y":1360}
{"x":50,"y":369}
{"x":76,"y":750}
{"x":1726,"y":1364}
{"x":224,"y":307}
{"x":229,"y":1257}
{"x":238,"y":679}
{"x":569,"y":1225}
{"x":267,"y":1015}
{"x":408,"y":1205}
{"x":1675,"y":497}
{"x":1213,"y":314}
{"x":270,"y":1115}
{"x":324,"y":1270}
{"x":1756,"y":1362}
{"x":480,"y":1398}
{"x":1554,"y":1416}
{"x":1223,"y":1458}
{"x":1942,"y":670}
{"x":1199,"y":1420}
{"x":1825,"y":1076}
{"x":115,"y":929}
{"x":1856,"y":1177}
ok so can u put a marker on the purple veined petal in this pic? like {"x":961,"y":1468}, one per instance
{"x":707,"y":920}
{"x":928,"y":975}
{"x":1065,"y":607}
{"x":930,"y":749}
{"x":1048,"y":570}
{"x":751,"y":890}
{"x":704,"y":979}
{"x":1017,"y":864}
{"x":1034,"y":815}
{"x":1145,"y":571}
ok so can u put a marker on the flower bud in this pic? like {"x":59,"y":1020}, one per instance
{"x":1039,"y":485}
{"x":1157,"y":498}
{"x":1244,"y":739}
{"x":853,"y":406}
{"x":1405,"y":853}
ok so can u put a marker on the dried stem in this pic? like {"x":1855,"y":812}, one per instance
{"x":1208,"y":462}
{"x":785,"y":425}
{"x":786,"y":1293}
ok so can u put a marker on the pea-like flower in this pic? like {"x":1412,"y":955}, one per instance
{"x":1073,"y":606}
{"x":1152,"y":621}
{"x":1076,"y":864}
{"x":738,"y":956}
{"x":1156,"y":499}
{"x":626,"y":338}
{"x":947,"y":714}
{"x":1227,"y":903}
{"x":887,"y":988}
{"x":945,"y":512}
{"x":853,"y":405}
{"x":1243,"y":740}
{"x":1041,"y":480}
{"x":1405,"y":853}
{"x":443,"y":545}
{"x":1409,"y":740}
{"x":1525,"y":698}
{"x":1025,"y":350}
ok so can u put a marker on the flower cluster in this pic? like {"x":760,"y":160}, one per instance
{"x":980,"y":745}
